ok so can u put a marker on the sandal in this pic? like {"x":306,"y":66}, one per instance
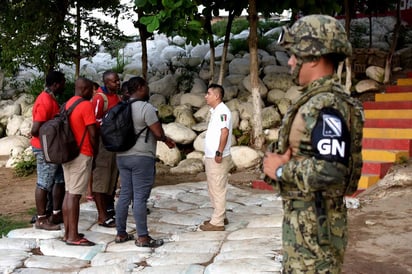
{"x":121,"y":239}
{"x":81,"y":242}
{"x":149,"y":243}
{"x":110,"y":222}
{"x":81,"y":235}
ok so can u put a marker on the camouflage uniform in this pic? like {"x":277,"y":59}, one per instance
{"x":314,"y":180}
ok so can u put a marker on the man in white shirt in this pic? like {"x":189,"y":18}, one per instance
{"x":217,"y":157}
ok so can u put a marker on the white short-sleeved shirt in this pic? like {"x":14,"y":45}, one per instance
{"x":221,"y":117}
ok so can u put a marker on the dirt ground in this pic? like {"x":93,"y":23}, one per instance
{"x":380,"y":229}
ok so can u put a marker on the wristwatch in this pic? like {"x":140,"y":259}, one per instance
{"x":278,"y":173}
{"x":218,"y":153}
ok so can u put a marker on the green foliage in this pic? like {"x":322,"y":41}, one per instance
{"x":185,"y":80}
{"x":266,"y":25}
{"x":44,"y":34}
{"x":68,"y":92}
{"x":25,"y":165}
{"x":357,"y":32}
{"x":241,"y":45}
{"x":239,"y":25}
{"x":238,"y":46}
{"x":402,"y":160}
{"x":7,"y":224}
{"x":36,"y":86}
{"x":219,"y":28}
{"x":243,"y":138}
{"x":169,"y":16}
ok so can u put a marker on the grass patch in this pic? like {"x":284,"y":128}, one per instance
{"x":7,"y":224}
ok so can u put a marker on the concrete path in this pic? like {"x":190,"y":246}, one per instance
{"x":250,"y":244}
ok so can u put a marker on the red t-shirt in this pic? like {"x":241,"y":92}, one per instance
{"x":45,"y":108}
{"x":98,"y":103}
{"x":81,"y":117}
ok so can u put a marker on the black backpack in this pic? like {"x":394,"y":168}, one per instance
{"x":57,"y":139}
{"x":117,"y":129}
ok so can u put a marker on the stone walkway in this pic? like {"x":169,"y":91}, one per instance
{"x":250,"y":244}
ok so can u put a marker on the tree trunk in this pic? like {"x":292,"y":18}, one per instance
{"x":388,"y":64}
{"x":257,"y":136}
{"x":230,"y":19}
{"x":208,"y":27}
{"x":78,"y":38}
{"x":143,"y":37}
{"x":56,"y":28}
{"x":348,"y":63}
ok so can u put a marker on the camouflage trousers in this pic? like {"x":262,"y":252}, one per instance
{"x":302,"y":252}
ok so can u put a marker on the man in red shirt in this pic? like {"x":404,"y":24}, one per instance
{"x":50,"y":177}
{"x":78,"y":171}
{"x":105,"y":174}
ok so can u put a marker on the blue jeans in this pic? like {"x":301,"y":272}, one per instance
{"x":47,"y":174}
{"x":137,"y":175}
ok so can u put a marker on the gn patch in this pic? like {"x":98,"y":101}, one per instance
{"x":331,"y":137}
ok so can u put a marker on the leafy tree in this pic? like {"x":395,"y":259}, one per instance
{"x":169,"y":17}
{"x":39,"y":33}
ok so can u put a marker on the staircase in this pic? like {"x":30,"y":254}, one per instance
{"x":387,"y":134}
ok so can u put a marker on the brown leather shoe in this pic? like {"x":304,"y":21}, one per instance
{"x":225,"y":221}
{"x":43,"y":223}
{"x":210,"y":227}
{"x":56,"y":218}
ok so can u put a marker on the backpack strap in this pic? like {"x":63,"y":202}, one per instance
{"x":105,"y":101}
{"x":131,"y":101}
{"x":70,"y":110}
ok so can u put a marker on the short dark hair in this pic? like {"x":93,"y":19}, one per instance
{"x":135,"y":83}
{"x":218,"y":88}
{"x":106,"y":74}
{"x":54,"y":77}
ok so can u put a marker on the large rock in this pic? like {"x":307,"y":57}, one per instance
{"x":367,"y":85}
{"x":199,"y":143}
{"x":14,"y":124}
{"x":199,"y":86}
{"x":8,"y":109}
{"x":202,"y":114}
{"x":191,"y":166}
{"x":245,"y":157}
{"x":171,"y":51}
{"x":184,"y":115}
{"x":239,"y":66}
{"x":196,"y":100}
{"x":263,"y":90}
{"x":166,"y":86}
{"x":169,"y":156}
{"x":179,"y":133}
{"x":270,"y":117}
{"x":281,"y":81}
{"x":13,"y":143}
{"x":376,"y":73}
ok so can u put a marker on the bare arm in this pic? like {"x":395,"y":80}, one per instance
{"x":224,"y":135}
{"x":36,"y":128}
{"x":159,"y":134}
{"x":94,"y":140}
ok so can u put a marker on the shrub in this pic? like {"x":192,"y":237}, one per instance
{"x":25,"y":165}
{"x":7,"y":224}
{"x":36,"y":86}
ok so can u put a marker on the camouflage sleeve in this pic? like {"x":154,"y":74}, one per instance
{"x":322,"y":150}
{"x":310,"y":174}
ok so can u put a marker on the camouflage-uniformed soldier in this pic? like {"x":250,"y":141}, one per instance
{"x":312,"y":164}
